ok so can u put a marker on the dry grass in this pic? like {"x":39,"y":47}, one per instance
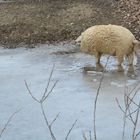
{"x":50,"y":21}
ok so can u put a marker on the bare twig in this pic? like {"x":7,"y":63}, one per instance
{"x":41,"y":101}
{"x":7,"y":123}
{"x":46,"y":89}
{"x":128,"y":111}
{"x":119,"y":105}
{"x":124,"y":124}
{"x":134,"y":135}
{"x":84,"y":136}
{"x":47,"y":123}
{"x":54,"y":119}
{"x":90,"y":135}
{"x":131,"y":113}
{"x":43,"y":98}
{"x":134,"y":89}
{"x":132,"y":101}
{"x":46,"y":96}
{"x":66,"y":138}
{"x":29,"y":91}
{"x":96,"y":99}
{"x":137,"y":135}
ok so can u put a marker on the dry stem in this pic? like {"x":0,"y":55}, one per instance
{"x":7,"y":123}
{"x":96,"y":99}
{"x":70,"y":129}
{"x":44,"y":97}
{"x":128,"y":101}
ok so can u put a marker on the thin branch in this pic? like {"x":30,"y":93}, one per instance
{"x":47,"y":123}
{"x":66,"y":138}
{"x":84,"y":136}
{"x":125,"y":98}
{"x":119,"y":105}
{"x":128,"y":101}
{"x":130,"y":115}
{"x":90,"y":135}
{"x":123,"y":110}
{"x":132,"y":112}
{"x":95,"y":106}
{"x":7,"y":123}
{"x":54,"y":119}
{"x":124,"y":124}
{"x":45,"y":97}
{"x":134,"y":89}
{"x":137,"y":134}
{"x":29,"y":91}
{"x":131,"y":101}
{"x":136,"y":121}
{"x":127,"y":108}
{"x":46,"y":89}
{"x":96,"y":99}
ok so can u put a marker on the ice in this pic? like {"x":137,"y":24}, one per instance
{"x":73,"y":96}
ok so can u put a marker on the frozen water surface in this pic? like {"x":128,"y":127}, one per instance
{"x":73,"y":96}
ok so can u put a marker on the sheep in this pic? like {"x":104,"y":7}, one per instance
{"x":109,"y":39}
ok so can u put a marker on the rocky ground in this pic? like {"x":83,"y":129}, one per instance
{"x":131,"y":15}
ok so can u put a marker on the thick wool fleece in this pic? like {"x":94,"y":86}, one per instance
{"x":108,"y":39}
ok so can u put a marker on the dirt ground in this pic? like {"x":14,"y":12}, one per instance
{"x":30,"y":22}
{"x":33,"y":22}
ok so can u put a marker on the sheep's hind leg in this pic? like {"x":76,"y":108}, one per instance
{"x":120,"y":60}
{"x":130,"y":64}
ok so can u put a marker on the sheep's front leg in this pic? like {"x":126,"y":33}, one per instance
{"x":99,"y":67}
{"x":120,"y":60}
{"x":130,"y":63}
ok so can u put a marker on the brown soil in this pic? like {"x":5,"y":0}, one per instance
{"x":130,"y":10}
{"x":53,"y":20}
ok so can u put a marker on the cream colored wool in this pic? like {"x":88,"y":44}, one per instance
{"x":109,"y":39}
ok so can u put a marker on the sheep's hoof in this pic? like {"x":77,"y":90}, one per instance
{"x":131,"y":75}
{"x":131,"y":69}
{"x":130,"y":72}
{"x":88,"y":68}
{"x":120,"y":69}
{"x":99,"y":67}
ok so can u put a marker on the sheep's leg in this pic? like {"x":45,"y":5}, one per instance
{"x":99,"y":67}
{"x":130,"y":63}
{"x":120,"y":60}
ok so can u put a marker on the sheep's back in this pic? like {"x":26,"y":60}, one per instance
{"x":106,"y":39}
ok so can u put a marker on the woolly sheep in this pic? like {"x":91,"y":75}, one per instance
{"x":109,"y":39}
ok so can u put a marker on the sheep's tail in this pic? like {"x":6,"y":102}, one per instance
{"x":136,"y":46}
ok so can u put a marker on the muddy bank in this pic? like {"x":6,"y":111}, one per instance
{"x":31,"y":22}
{"x":52,"y":21}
